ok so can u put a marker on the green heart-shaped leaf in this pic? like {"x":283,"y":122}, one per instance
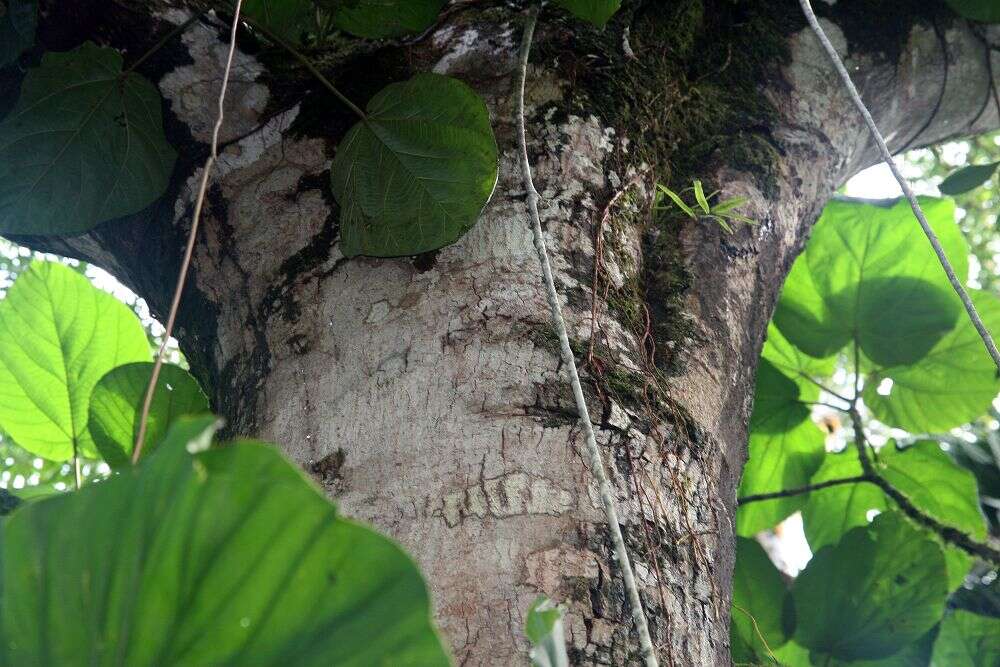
{"x":596,"y":11}
{"x":228,"y":556}
{"x":415,"y":175}
{"x":380,"y":19}
{"x":58,"y":336}
{"x":83,"y":145}
{"x":758,"y":608}
{"x":116,"y":406}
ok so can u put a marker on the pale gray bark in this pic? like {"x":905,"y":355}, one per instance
{"x":426,"y":394}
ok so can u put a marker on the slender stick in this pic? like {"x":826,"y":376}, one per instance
{"x":809,"y":488}
{"x":163,"y":41}
{"x":838,"y":64}
{"x":947,"y":533}
{"x":596,"y":462}
{"x":192,"y":235}
{"x":295,"y":53}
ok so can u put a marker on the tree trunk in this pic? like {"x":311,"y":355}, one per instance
{"x":426,"y":394}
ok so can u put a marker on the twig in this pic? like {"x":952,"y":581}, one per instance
{"x":797,"y":491}
{"x":163,"y":41}
{"x":596,"y":462}
{"x":947,"y":533}
{"x":838,"y":64}
{"x":192,"y":235}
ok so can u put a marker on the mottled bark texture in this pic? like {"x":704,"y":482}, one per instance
{"x":425,"y":394}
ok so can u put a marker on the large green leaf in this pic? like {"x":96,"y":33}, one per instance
{"x":922,"y":472}
{"x":968,"y":640}
{"x":869,"y":274}
{"x":116,"y":405}
{"x":83,"y":145}
{"x":791,"y":361}
{"x":228,"y":556}
{"x":379,"y":19}
{"x":415,"y":175}
{"x":288,"y":19}
{"x":596,"y":11}
{"x":786,"y":448}
{"x":987,"y":11}
{"x":882,"y":587}
{"x":58,"y":336}
{"x":951,"y":385}
{"x":759,"y":596}
{"x":968,"y":178}
{"x":17,"y":28}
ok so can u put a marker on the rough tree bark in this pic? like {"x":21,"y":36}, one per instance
{"x":425,"y":394}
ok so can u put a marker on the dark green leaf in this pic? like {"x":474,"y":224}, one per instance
{"x":378,"y":19}
{"x":544,"y":629}
{"x":987,"y":11}
{"x":288,"y":19}
{"x":228,"y":556}
{"x":83,"y":145}
{"x":968,"y":640}
{"x":676,"y":198}
{"x":417,"y":173}
{"x":951,"y":385}
{"x":116,"y":405}
{"x":882,"y":587}
{"x":863,"y":258}
{"x":17,"y":29}
{"x":596,"y":11}
{"x":968,"y":178}
{"x":759,"y":598}
{"x":791,"y":361}
{"x":58,"y":336}
{"x":922,"y":472}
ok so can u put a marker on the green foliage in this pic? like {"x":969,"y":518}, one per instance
{"x":17,"y":28}
{"x":722,"y":213}
{"x":987,"y":11}
{"x":596,"y":11}
{"x":925,"y":475}
{"x":379,"y":19}
{"x":192,"y":558}
{"x":416,"y":173}
{"x":759,"y":600}
{"x":880,"y":588}
{"x":968,"y":178}
{"x":83,"y":145}
{"x":869,"y":276}
{"x":544,"y":629}
{"x":116,"y":404}
{"x":290,"y":20}
{"x":949,"y":386}
{"x":968,"y":640}
{"x":58,"y":336}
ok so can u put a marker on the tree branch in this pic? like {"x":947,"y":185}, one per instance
{"x":808,"y":488}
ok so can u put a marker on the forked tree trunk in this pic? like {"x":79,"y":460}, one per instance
{"x":426,"y":394}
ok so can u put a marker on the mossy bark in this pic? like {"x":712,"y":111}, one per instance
{"x":433,"y":383}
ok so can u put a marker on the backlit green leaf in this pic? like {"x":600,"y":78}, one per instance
{"x":922,"y":472}
{"x":378,"y":19}
{"x":987,"y":11}
{"x":867,"y":274}
{"x":228,"y":556}
{"x":417,"y":173}
{"x":968,"y":178}
{"x":17,"y":29}
{"x":83,"y":145}
{"x":58,"y":336}
{"x":544,"y":629}
{"x":791,"y":361}
{"x":968,"y":640}
{"x":759,"y":597}
{"x":116,"y":405}
{"x":596,"y":11}
{"x":951,"y":385}
{"x":882,"y":587}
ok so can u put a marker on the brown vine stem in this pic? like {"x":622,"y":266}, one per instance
{"x":192,"y":235}
{"x":596,"y":460}
{"x":947,"y":533}
{"x":845,"y":77}
{"x":799,"y":490}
